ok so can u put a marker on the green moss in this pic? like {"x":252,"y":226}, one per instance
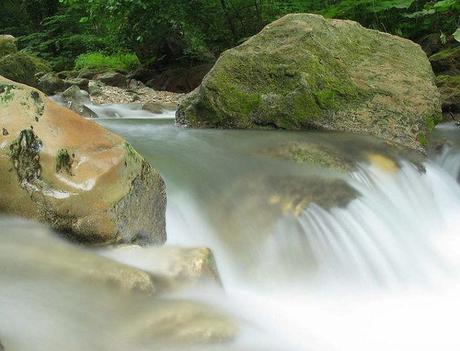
{"x":7,"y":47}
{"x":21,"y":67}
{"x":423,"y":140}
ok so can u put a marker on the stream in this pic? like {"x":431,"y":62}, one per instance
{"x":380,"y":273}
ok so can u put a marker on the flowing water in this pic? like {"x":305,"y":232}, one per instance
{"x":379,"y":272}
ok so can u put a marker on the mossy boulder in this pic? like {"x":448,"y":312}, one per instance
{"x":307,"y":72}
{"x":23,"y":68}
{"x":7,"y":45}
{"x":449,"y":86}
{"x":68,"y":172}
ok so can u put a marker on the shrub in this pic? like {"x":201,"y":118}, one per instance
{"x":99,"y":60}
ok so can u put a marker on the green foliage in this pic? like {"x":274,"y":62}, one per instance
{"x":101,"y":61}
{"x":186,"y":32}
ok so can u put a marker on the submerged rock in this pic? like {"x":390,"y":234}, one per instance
{"x":171,"y":267}
{"x":184,"y":323}
{"x":28,"y":248}
{"x":73,"y":174}
{"x":307,"y":72}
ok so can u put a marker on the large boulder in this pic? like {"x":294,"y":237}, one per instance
{"x":307,"y":72}
{"x":23,"y":68}
{"x":73,"y":174}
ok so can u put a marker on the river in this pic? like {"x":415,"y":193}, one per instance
{"x":380,"y":272}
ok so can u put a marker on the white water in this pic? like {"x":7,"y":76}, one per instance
{"x":387,"y":274}
{"x":381,"y":274}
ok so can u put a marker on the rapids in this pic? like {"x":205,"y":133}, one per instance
{"x":381,"y":273}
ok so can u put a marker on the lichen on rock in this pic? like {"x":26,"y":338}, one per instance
{"x":25,"y":156}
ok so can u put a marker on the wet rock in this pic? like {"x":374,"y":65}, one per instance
{"x":105,"y":192}
{"x":114,"y":79}
{"x":184,"y":323}
{"x":7,"y":45}
{"x":51,"y":84}
{"x":23,"y":68}
{"x":78,"y":101}
{"x":307,"y":72}
{"x":153,"y":107}
{"x":171,"y":267}
{"x":46,"y":256}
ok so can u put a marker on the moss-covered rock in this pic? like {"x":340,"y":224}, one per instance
{"x":23,"y":68}
{"x":307,"y":72}
{"x":95,"y":189}
{"x":447,"y":61}
{"x":449,"y":86}
{"x":7,"y":45}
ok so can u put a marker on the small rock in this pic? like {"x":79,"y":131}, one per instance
{"x":82,"y":83}
{"x":95,"y":88}
{"x":51,"y":84}
{"x":134,"y":84}
{"x":5,"y":132}
{"x":114,"y":79}
{"x":78,"y":100}
{"x":67,"y":74}
{"x":153,"y":107}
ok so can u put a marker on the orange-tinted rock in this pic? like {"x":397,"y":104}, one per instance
{"x":71,"y":173}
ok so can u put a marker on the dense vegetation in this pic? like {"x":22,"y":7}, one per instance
{"x":186,"y":32}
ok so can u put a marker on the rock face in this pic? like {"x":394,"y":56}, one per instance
{"x":73,"y":174}
{"x":307,"y":72}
